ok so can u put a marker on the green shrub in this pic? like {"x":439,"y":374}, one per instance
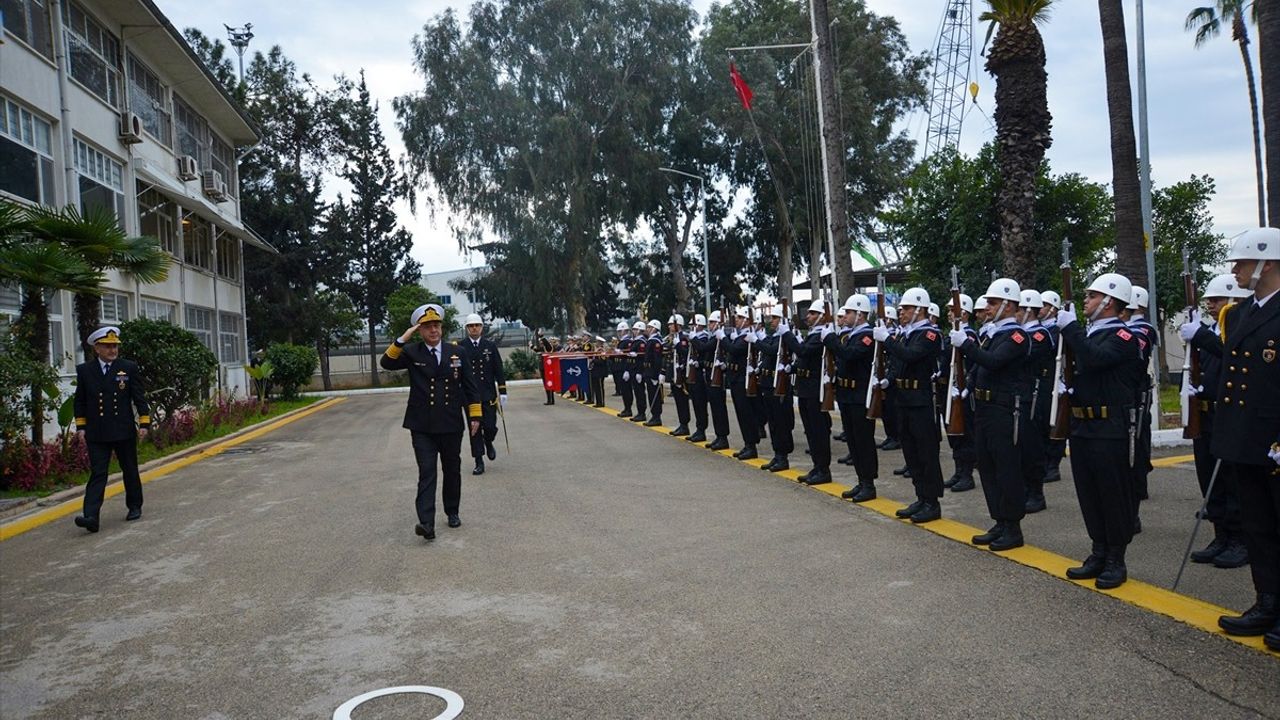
{"x":19,"y":370}
{"x":177,"y":368}
{"x":520,"y":364}
{"x":293,"y":366}
{"x":405,"y":299}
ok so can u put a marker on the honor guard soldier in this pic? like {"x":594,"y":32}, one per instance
{"x":679,"y":373}
{"x":1144,"y":387}
{"x":964,"y":454}
{"x":486,"y":370}
{"x":626,"y":365}
{"x":1044,"y":356}
{"x":1247,"y":426}
{"x":809,"y":368}
{"x":1102,"y":400}
{"x":916,"y":349}
{"x":654,"y":374}
{"x":1001,"y":394}
{"x":854,"y":349}
{"x":639,"y":342}
{"x":1222,"y":506}
{"x":442,"y":396}
{"x":778,"y":406}
{"x":890,"y":419}
{"x":711,"y":356}
{"x":543,"y":346}
{"x":616,"y":366}
{"x":698,"y":339}
{"x":109,"y":389}
{"x":599,"y":370}
{"x":742,"y":336}
{"x":1055,"y":450}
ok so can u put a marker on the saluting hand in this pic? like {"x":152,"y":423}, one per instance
{"x":404,"y":336}
{"x":475,"y":426}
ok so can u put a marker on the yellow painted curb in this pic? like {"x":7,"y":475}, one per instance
{"x":1183,"y":608}
{"x":62,"y":509}
{"x":1172,"y":461}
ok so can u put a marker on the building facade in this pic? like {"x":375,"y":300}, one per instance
{"x":465,"y":302}
{"x":103,"y":104}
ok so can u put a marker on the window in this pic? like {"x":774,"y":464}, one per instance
{"x":95,"y":54}
{"x":197,"y":247}
{"x":200,"y":323}
{"x":446,"y":299}
{"x":10,"y":304}
{"x":28,"y":20}
{"x":26,"y":154}
{"x":149,"y":100}
{"x":158,"y":310}
{"x":229,"y":338}
{"x":192,"y":136}
{"x":224,"y":161}
{"x":155,"y":215}
{"x":101,"y":181}
{"x":228,"y":256}
{"x":57,"y":348}
{"x":115,"y":308}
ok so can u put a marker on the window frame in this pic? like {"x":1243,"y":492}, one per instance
{"x":232,"y":339}
{"x":160,"y":100}
{"x":96,"y":167}
{"x":83,"y":39}
{"x":26,"y":37}
{"x":205,"y":334}
{"x":147,"y":307}
{"x":28,"y":130}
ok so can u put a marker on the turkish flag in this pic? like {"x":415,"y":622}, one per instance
{"x":744,"y":91}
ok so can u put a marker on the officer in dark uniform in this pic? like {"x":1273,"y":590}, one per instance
{"x":615,"y":361}
{"x":711,"y":356}
{"x":442,"y":396}
{"x":741,"y":337}
{"x":1247,"y":427}
{"x":890,"y":419}
{"x":1101,"y":400}
{"x":637,"y":355}
{"x":678,"y":371}
{"x":654,"y":373}
{"x":486,"y":370}
{"x":809,"y":357}
{"x":698,"y":341}
{"x":1001,"y":395}
{"x":779,"y":408}
{"x":598,"y":368}
{"x":916,"y":349}
{"x":1044,"y":355}
{"x":624,"y":364}
{"x":964,"y":454}
{"x":1144,"y":390}
{"x":1222,"y":508}
{"x":543,"y":347}
{"x":109,"y":389}
{"x":854,"y":350}
{"x":1055,"y":450}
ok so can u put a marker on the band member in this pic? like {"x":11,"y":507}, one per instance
{"x":964,"y":454}
{"x":1043,"y":359}
{"x":890,"y":419}
{"x":780,"y":408}
{"x":486,"y":371}
{"x":678,"y":371}
{"x":698,"y":340}
{"x":854,"y":350}
{"x":809,"y":368}
{"x":598,"y":367}
{"x":624,"y":362}
{"x":741,"y":337}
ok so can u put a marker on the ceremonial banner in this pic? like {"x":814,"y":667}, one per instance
{"x":575,"y":374}
{"x":551,"y":372}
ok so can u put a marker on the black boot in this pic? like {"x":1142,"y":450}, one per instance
{"x":848,"y":494}
{"x":845,"y":460}
{"x":699,"y":436}
{"x":1053,"y":473}
{"x":479,"y":469}
{"x":551,"y":398}
{"x":1219,"y":543}
{"x":1257,"y":620}
{"x":928,"y":512}
{"x":839,"y":437}
{"x":951,"y":481}
{"x":989,"y":536}
{"x":1092,"y":566}
{"x":1272,"y":639}
{"x":680,"y":431}
{"x":909,"y":510}
{"x":779,"y":464}
{"x":1010,"y":539}
{"x":817,"y":477}
{"x":1234,"y":555}
{"x":720,"y":443}
{"x":1114,"y":573}
{"x":865,"y":491}
{"x":891,"y":444}
{"x":747,"y":453}
{"x":964,"y":483}
{"x":638,"y":417}
{"x":1035,"y":504}
{"x":904,"y":471}
{"x":654,"y":421}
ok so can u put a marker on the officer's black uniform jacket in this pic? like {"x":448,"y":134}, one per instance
{"x":1044,"y":357}
{"x":1208,"y":346}
{"x":104,"y":404}
{"x":653,"y":357}
{"x":1002,"y":373}
{"x":705,"y":348}
{"x":767,"y":357}
{"x":679,"y":354}
{"x":1103,"y":385}
{"x":807,"y":363}
{"x":854,"y":351}
{"x":1145,"y":334}
{"x":486,"y":366}
{"x":916,"y":349}
{"x":626,"y":363}
{"x":1248,"y":419}
{"x":736,"y":357}
{"x":439,"y":392}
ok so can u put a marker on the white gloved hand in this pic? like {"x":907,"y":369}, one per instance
{"x":720,"y":364}
{"x":880,"y":333}
{"x":751,"y":370}
{"x":718,"y":334}
{"x":882,"y":382}
{"x":693,"y":363}
{"x":964,"y":395}
{"x":631,"y":354}
{"x":1067,"y":315}
{"x":761,"y":334}
{"x":1063,"y":389}
{"x":1275,"y":455}
{"x":661,"y":378}
{"x":955,"y":391}
{"x":749,"y":337}
{"x":783,"y":328}
{"x":1192,"y":390}
{"x":1189,"y":329}
{"x":502,"y":400}
{"x":959,"y":337}
{"x":626,"y":375}
{"x":786,"y":368}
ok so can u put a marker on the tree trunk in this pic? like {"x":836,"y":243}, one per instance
{"x":322,"y":349}
{"x":1131,"y":253}
{"x":35,"y":316}
{"x":1269,"y":67}
{"x":675,"y":251}
{"x":816,"y":242}
{"x":373,"y":354}
{"x":1240,"y":33}
{"x":88,"y":318}
{"x":785,"y":245}
{"x":834,"y":152}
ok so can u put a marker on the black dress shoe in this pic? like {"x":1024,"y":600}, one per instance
{"x":909,"y":510}
{"x":839,"y":437}
{"x":1035,"y":505}
{"x":848,"y":494}
{"x":818,"y":477}
{"x":680,"y":431}
{"x":951,"y":481}
{"x":455,"y":521}
{"x":1272,"y":639}
{"x":135,"y":514}
{"x":1257,"y":620}
{"x":845,"y":460}
{"x":1053,"y":474}
{"x":907,"y":474}
{"x":989,"y":536}
{"x":490,"y":451}
{"x":963,"y":484}
{"x":1212,"y":550}
{"x":902,"y":471}
{"x":1010,"y":539}
{"x":638,"y":418}
{"x":1114,"y":573}
{"x":624,"y":414}
{"x":1234,"y":556}
{"x":90,"y":524}
{"x":747,"y":453}
{"x":891,"y":444}
{"x":1092,"y":566}
{"x":779,"y":464}
{"x":864,"y":492}
{"x":479,"y":469}
{"x":720,"y":443}
{"x":697,"y":437}
{"x":928,"y":512}
{"x":424,"y":531}
{"x":653,"y":422}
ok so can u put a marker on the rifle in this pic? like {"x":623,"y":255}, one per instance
{"x":828,"y":360}
{"x":1191,"y":358}
{"x":677,"y":376}
{"x":1065,"y":367}
{"x":782,"y":380}
{"x":875,"y":393}
{"x":717,"y":359}
{"x":753,"y":357}
{"x":955,"y":385}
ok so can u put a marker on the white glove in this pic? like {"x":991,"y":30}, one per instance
{"x":1275,"y":455}
{"x":1191,"y":390}
{"x":626,"y":375}
{"x":631,"y":354}
{"x":783,"y":328}
{"x":826,"y":330}
{"x":718,"y":334}
{"x":964,"y":395}
{"x":959,"y":337}
{"x":882,"y":382}
{"x":661,"y":378}
{"x":880,"y":333}
{"x":786,"y":368}
{"x":639,"y":379}
{"x":719,"y":363}
{"x":1067,"y":315}
{"x":760,"y":335}
{"x":1190,"y":328}
{"x":751,"y":370}
{"x":693,"y":363}
{"x":749,"y":337}
{"x":936,"y":375}
{"x":1063,"y":389}
{"x":955,"y":391}
{"x":502,"y":400}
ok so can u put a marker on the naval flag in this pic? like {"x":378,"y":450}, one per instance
{"x":574,"y":374}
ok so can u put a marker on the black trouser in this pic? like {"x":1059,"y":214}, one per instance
{"x":860,"y":436}
{"x":748,"y":425}
{"x":624,"y":389}
{"x":698,"y":394}
{"x":1259,"y":491}
{"x":1000,"y":461}
{"x":759,"y":410}
{"x":488,"y":428}
{"x":1104,"y":488}
{"x":890,"y":413}
{"x":782,"y":420}
{"x":1033,"y":439}
{"x":918,"y":432}
{"x":1141,"y":457}
{"x":99,"y":467}
{"x":1055,"y":450}
{"x":817,"y":431}
{"x":597,"y":385}
{"x":654,"y":392}
{"x":680,"y":394}
{"x":1223,"y":506}
{"x":638,"y":388}
{"x":964,"y":453}
{"x":719,"y":412}
{"x":426,"y":447}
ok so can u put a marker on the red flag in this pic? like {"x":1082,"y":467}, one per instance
{"x":744,"y":92}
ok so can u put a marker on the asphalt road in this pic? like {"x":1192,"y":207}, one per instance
{"x":602,"y":571}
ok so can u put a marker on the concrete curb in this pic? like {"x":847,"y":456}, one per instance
{"x":36,"y":504}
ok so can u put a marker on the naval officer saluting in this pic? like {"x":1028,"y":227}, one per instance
{"x":442,"y":394}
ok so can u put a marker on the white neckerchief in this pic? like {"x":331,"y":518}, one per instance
{"x":860,"y":327}
{"x":1051,"y":322}
{"x":1103,"y":324}
{"x":1008,"y":323}
{"x":906,"y":331}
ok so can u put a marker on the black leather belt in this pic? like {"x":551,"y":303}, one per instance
{"x":846,"y":383}
{"x":735,"y":368}
{"x":804,"y":374}
{"x":995,"y":397}
{"x":907,"y":384}
{"x":766,"y":373}
{"x":1101,"y":412}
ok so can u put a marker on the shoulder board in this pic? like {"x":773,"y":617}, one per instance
{"x":1018,"y":337}
{"x":1124,"y":334}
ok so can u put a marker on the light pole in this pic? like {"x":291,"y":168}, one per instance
{"x":239,"y":39}
{"x":706,"y":262}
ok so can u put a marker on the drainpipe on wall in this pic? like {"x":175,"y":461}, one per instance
{"x":70,"y":183}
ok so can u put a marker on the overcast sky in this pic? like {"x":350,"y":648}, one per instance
{"x":1198,"y":104}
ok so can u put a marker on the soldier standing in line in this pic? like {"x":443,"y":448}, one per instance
{"x":624,"y":364}
{"x":615,"y":361}
{"x":698,"y":392}
{"x":854,"y":350}
{"x":890,"y":419}
{"x":1227,"y":549}
{"x":809,"y":368}
{"x":735,"y":376}
{"x":639,"y":343}
{"x":963,"y":453}
{"x":679,"y":373}
{"x":779,"y":408}
{"x":107,"y":426}
{"x":654,"y":375}
{"x":711,"y":356}
{"x":1055,"y":450}
{"x":1144,"y":389}
{"x":486,"y":371}
{"x":1044,"y":356}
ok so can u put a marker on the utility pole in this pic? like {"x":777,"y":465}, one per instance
{"x":239,"y":39}
{"x":832,"y":153}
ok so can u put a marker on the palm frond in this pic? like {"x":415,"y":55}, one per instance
{"x":1205,"y":22}
{"x":1017,"y":12}
{"x":143,"y":258}
{"x":47,"y":265}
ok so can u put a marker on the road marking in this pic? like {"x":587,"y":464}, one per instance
{"x":453,"y":701}
{"x":1172,"y":461}
{"x":1183,"y":608}
{"x":67,"y":507}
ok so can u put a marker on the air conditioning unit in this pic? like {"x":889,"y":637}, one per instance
{"x":130,"y":128}
{"x":214,"y":186}
{"x":187,"y":168}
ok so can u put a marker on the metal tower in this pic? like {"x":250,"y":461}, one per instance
{"x":950,"y":77}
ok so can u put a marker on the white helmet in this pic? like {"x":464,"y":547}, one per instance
{"x":934,"y":310}
{"x":1004,"y":289}
{"x":891,"y":312}
{"x":916,"y":297}
{"x":818,"y":306}
{"x":1031,"y":299}
{"x":1049,"y":297}
{"x":638,"y":326}
{"x":700,"y":319}
{"x":1256,"y":244}
{"x":1224,"y":286}
{"x":966,"y":303}
{"x":980,"y":304}
{"x":473,"y":319}
{"x":715,"y":316}
{"x":858,"y":303}
{"x":777,"y":311}
{"x":676,"y":319}
{"x":743,"y":312}
{"x":654,"y":324}
{"x":622,"y":326}
{"x":1138,"y":298}
{"x":1114,"y":285}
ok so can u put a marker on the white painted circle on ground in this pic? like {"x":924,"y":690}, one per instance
{"x":453,"y":701}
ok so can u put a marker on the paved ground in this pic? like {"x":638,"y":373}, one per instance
{"x":602,"y":572}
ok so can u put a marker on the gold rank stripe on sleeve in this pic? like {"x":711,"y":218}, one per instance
{"x":393,"y":351}
{"x":473,"y":410}
{"x":81,"y":422}
{"x":144,"y":420}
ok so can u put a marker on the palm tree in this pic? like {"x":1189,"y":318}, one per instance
{"x":1268,"y":14}
{"x":1017,"y":61}
{"x":1207,"y":23}
{"x":1131,"y":248}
